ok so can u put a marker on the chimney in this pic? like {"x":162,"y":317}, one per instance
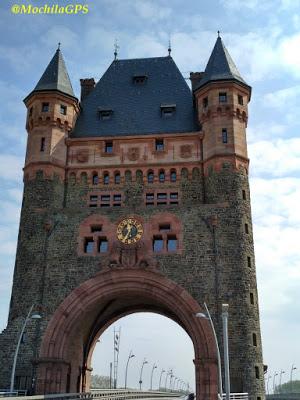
{"x":195,"y":78}
{"x":87,"y":85}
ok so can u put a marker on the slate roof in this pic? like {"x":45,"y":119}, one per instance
{"x":220,"y":67}
{"x":55,"y":77}
{"x":136,"y":108}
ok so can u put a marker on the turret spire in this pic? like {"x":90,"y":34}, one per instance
{"x":220,"y":66}
{"x":55,"y":77}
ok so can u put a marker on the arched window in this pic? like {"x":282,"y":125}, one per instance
{"x":162,"y":176}
{"x":150,"y":177}
{"x":106,"y":178}
{"x":95,"y":179}
{"x":173,"y":175}
{"x":117,"y":178}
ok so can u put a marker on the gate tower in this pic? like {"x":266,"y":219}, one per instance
{"x":135,"y":198}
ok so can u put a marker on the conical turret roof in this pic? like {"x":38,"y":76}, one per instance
{"x":220,"y":66}
{"x":55,"y":77}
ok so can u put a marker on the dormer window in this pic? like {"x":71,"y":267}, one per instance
{"x":105,"y":114}
{"x":139,"y":79}
{"x":167,"y":110}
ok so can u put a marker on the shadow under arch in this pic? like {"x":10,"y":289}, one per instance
{"x":89,"y":309}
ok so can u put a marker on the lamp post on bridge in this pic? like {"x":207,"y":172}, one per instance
{"x":28,"y":317}
{"x":131,"y":355}
{"x":174,"y":383}
{"x":280,"y":376}
{"x":151,"y":380}
{"x":269,"y":377}
{"x":208,"y":317}
{"x":168,"y":373}
{"x":170,"y":384}
{"x":141,"y":374}
{"x":159,"y":385}
{"x":274,"y":377}
{"x":292,"y":369}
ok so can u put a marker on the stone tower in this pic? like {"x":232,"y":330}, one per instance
{"x":136,"y":198}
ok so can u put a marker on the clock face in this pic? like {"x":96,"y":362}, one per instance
{"x":129,"y":231}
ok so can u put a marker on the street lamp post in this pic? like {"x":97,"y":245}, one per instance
{"x":151,"y":380}
{"x":292,"y":369}
{"x":131,"y":355}
{"x":162,"y":371}
{"x":269,"y":377}
{"x":226,"y":351}
{"x":170,"y":384}
{"x":207,"y":316}
{"x":274,"y":377}
{"x":29,"y":316}
{"x":174,"y":383}
{"x":168,"y":373}
{"x":141,"y":374}
{"x":280,"y":376}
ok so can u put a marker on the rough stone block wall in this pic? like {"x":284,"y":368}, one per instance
{"x":213,"y":266}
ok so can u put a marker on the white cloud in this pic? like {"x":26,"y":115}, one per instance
{"x":275,"y":158}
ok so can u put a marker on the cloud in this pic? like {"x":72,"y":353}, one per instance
{"x":275,"y":158}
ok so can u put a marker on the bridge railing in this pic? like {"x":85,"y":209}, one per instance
{"x":236,"y":396}
{"x":110,"y":394}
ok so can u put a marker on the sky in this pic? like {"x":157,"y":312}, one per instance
{"x":263,"y":37}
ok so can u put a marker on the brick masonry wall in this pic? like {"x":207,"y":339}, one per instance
{"x":213,"y":266}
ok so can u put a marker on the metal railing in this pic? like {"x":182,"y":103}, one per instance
{"x":109,"y":394}
{"x":237,"y":396}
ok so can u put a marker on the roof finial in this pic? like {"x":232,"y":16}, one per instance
{"x":219,"y":33}
{"x":58,"y":48}
{"x":169,"y":48}
{"x":116,"y":49}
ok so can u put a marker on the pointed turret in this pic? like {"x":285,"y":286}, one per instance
{"x":55,"y":77}
{"x":220,"y":67}
{"x":52,"y":112}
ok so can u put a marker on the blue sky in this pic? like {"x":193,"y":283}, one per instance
{"x":263,"y":37}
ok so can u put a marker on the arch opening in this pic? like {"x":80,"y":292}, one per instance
{"x":72,"y":333}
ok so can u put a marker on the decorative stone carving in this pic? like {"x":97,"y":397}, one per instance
{"x":82,"y":155}
{"x":133,"y":153}
{"x":186,"y":151}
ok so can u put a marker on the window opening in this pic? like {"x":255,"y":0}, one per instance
{"x":158,"y":244}
{"x":63,"y":109}
{"x":45,"y":107}
{"x":43,"y":144}
{"x":159,"y":144}
{"x":224,"y":135}
{"x":139,"y":79}
{"x":167,"y":110}
{"x":117,"y":178}
{"x":205,"y":102}
{"x":89,"y":245}
{"x":103,"y":245}
{"x":106,"y":179}
{"x":96,"y":228}
{"x":108,"y":147}
{"x":172,"y":243}
{"x":222,"y":97}
{"x":164,"y":227}
{"x":150,"y":177}
{"x":105,"y":114}
{"x":162,"y":176}
{"x":240,"y":100}
{"x":95,"y":179}
{"x":173,"y":176}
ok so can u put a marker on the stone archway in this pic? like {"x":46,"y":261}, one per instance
{"x":76,"y":324}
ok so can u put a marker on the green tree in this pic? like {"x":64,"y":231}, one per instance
{"x":100,"y":382}
{"x":288,"y":387}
